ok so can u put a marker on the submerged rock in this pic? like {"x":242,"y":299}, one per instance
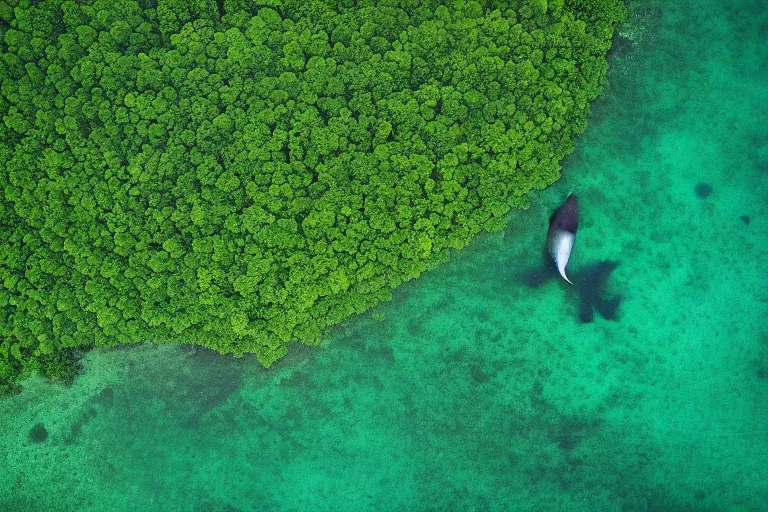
{"x":703,"y":190}
{"x":38,"y":434}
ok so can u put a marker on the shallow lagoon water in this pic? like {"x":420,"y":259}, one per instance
{"x":470,"y":391}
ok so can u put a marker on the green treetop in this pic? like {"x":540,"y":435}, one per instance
{"x":246,"y":174}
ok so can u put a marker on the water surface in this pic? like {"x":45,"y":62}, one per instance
{"x":470,"y":391}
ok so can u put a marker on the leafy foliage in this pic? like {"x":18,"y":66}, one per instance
{"x":245,"y":180}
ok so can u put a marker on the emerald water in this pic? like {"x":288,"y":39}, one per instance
{"x":470,"y":391}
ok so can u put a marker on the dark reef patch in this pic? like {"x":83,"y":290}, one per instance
{"x":38,"y":434}
{"x":570,"y":431}
{"x":745,"y":219}
{"x":415,"y":327}
{"x":106,"y":397}
{"x":761,"y":363}
{"x":489,"y":336}
{"x":75,"y":431}
{"x":207,"y":382}
{"x":197,"y":381}
{"x":299,"y":379}
{"x":477,"y":373}
{"x":380,"y":351}
{"x":703,"y":190}
{"x":103,"y":401}
{"x":621,"y":46}
{"x":566,"y":430}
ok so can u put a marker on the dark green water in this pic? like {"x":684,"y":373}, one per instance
{"x":469,"y":391}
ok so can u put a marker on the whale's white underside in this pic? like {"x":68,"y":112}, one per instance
{"x":560,"y":247}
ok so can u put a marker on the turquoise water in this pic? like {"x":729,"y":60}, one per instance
{"x":470,"y":391}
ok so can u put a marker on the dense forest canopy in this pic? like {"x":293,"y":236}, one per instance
{"x":244,"y":174}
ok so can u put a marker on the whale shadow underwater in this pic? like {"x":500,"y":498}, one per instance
{"x":588,"y":285}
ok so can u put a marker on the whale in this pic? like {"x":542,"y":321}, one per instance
{"x":561,"y":236}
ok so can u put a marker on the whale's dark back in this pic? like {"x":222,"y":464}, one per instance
{"x":566,"y":217}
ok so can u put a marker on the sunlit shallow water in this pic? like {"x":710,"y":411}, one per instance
{"x":470,"y":391}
